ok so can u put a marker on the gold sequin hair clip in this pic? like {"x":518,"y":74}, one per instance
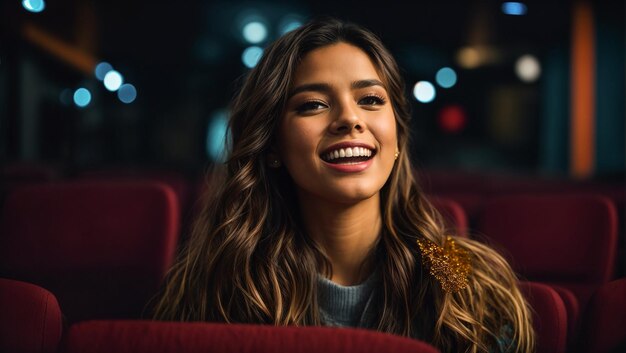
{"x":449,"y":264}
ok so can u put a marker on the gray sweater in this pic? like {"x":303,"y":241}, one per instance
{"x":354,"y":306}
{"x":348,"y":306}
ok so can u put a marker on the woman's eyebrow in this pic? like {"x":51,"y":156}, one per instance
{"x":366,"y":83}
{"x":324,"y":87}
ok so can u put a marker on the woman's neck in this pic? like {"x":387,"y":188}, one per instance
{"x":347,"y":233}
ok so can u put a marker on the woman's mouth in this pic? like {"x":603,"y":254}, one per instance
{"x":348,"y":155}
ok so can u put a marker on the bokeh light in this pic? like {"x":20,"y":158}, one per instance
{"x":82,"y":97}
{"x":289,"y":23}
{"x":113,"y":80}
{"x":446,"y":77}
{"x":255,"y":32}
{"x":514,"y":8}
{"x":216,"y":136}
{"x":102,"y":69}
{"x":34,"y":5}
{"x":127,"y":93}
{"x":452,"y":119}
{"x":251,"y":56}
{"x":424,"y":91}
{"x":528,"y":68}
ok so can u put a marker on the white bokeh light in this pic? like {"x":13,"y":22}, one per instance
{"x":424,"y":91}
{"x":113,"y":80}
{"x":528,"y":68}
{"x":255,"y":32}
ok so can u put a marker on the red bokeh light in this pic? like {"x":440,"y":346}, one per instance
{"x":452,"y":119}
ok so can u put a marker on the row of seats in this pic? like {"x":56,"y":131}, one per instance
{"x":65,"y":236}
{"x":31,"y":321}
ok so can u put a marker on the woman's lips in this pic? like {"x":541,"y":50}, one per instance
{"x":352,"y":167}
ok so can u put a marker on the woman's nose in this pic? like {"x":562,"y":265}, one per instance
{"x":346,"y":120}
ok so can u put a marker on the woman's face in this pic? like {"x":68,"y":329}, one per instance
{"x":337,"y":136}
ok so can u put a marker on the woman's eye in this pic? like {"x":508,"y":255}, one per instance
{"x":372,"y":100}
{"x":310,"y":106}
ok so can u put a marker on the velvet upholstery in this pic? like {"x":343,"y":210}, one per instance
{"x":567,"y":240}
{"x":101,"y":247}
{"x":453,"y":213}
{"x":161,"y":337}
{"x":549,"y":317}
{"x":604,"y":324}
{"x":30,"y":318}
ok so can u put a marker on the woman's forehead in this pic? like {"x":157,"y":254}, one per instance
{"x":335,"y":62}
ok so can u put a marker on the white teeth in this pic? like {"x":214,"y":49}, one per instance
{"x":348,"y":152}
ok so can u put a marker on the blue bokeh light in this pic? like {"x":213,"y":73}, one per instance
{"x":424,"y":91}
{"x":216,"y":136}
{"x":34,"y":5}
{"x":514,"y":8}
{"x":446,"y":77}
{"x":113,"y":80}
{"x":82,"y":97}
{"x":254,"y":32}
{"x":289,"y":23}
{"x":251,"y":56}
{"x":127,"y":93}
{"x":102,"y":69}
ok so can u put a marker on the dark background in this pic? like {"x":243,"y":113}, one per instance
{"x":184,"y":58}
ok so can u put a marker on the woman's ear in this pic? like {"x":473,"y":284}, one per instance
{"x":273,"y":159}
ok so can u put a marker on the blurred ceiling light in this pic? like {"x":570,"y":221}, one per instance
{"x":528,"y":68}
{"x":34,"y":5}
{"x":82,"y":97}
{"x":424,"y":91}
{"x":474,"y":56}
{"x":113,"y":80}
{"x":446,"y":77}
{"x":127,"y":93}
{"x":514,"y":8}
{"x":102,"y":69}
{"x":251,"y":56}
{"x":254,"y":32}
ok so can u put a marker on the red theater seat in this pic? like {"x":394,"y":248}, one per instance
{"x":177,"y":181}
{"x":157,"y":337}
{"x":604,"y":325}
{"x":30,"y":318}
{"x":452,"y":213}
{"x":569,"y":241}
{"x":549,"y":317}
{"x":101,"y":247}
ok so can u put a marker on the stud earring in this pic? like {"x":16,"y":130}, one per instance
{"x":273,"y":162}
{"x":395,"y":156}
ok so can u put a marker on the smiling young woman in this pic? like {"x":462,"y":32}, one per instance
{"x":319,"y":220}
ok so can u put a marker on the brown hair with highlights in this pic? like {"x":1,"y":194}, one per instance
{"x":248,"y":259}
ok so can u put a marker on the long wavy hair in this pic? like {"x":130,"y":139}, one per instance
{"x":248,"y":259}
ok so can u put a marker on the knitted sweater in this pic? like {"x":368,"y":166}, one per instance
{"x":354,"y":306}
